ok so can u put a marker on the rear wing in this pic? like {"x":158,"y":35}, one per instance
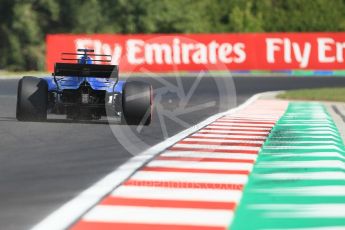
{"x":86,"y":53}
{"x":86,"y":70}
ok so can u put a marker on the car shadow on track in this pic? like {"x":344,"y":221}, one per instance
{"x":8,"y":119}
{"x":54,"y":120}
{"x":65,"y":121}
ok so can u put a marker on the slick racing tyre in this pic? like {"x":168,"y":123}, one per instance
{"x":32,"y":99}
{"x":136,"y":103}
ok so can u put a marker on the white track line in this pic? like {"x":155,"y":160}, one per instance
{"x":68,"y":213}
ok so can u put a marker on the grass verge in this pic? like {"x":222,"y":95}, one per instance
{"x":11,"y":74}
{"x":320,"y":94}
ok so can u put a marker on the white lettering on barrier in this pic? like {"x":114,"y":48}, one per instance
{"x":176,"y":51}
{"x":340,"y":51}
{"x":239,"y":51}
{"x":212,"y":47}
{"x":184,"y":53}
{"x":186,"y":48}
{"x":326,"y":46}
{"x":272,"y":47}
{"x":200,"y":55}
{"x":291,"y":51}
{"x":140,"y":52}
{"x":302,"y":57}
{"x":158,"y":53}
{"x":225,"y":51}
{"x":133,"y":48}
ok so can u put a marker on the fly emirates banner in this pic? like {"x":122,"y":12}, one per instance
{"x":195,"y":52}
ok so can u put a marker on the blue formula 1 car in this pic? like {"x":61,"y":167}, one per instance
{"x":84,"y":91}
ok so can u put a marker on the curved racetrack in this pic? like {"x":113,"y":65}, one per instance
{"x":43,"y":165}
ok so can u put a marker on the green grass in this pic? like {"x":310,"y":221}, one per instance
{"x":12,"y":74}
{"x":320,"y":94}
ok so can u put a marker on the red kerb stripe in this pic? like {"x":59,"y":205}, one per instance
{"x":113,"y":200}
{"x":217,"y":171}
{"x":84,"y":225}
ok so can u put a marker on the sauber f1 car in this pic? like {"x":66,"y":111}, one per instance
{"x":84,"y":91}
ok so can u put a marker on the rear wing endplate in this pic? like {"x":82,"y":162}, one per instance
{"x":86,"y":70}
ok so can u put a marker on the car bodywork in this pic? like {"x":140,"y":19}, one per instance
{"x":84,"y":91}
{"x":84,"y":97}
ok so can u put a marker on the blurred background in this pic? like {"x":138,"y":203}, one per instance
{"x":25,"y":23}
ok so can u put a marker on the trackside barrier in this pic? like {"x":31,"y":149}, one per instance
{"x":282,"y":52}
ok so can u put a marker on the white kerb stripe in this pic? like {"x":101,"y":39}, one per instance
{"x":244,"y":137}
{"x":201,"y":165}
{"x":247,"y":118}
{"x":220,"y":147}
{"x":190,"y":177}
{"x":175,"y":216}
{"x":242,"y":124}
{"x":229,"y":131}
{"x":209,"y":155}
{"x":242,"y":128}
{"x":223,"y":141}
{"x":168,"y":193}
{"x":257,"y":117}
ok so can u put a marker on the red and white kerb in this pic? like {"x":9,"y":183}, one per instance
{"x":196,"y":184}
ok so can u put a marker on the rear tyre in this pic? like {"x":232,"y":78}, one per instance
{"x":136,"y":103}
{"x":32,"y":99}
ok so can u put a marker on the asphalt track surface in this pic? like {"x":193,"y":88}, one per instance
{"x":43,"y":165}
